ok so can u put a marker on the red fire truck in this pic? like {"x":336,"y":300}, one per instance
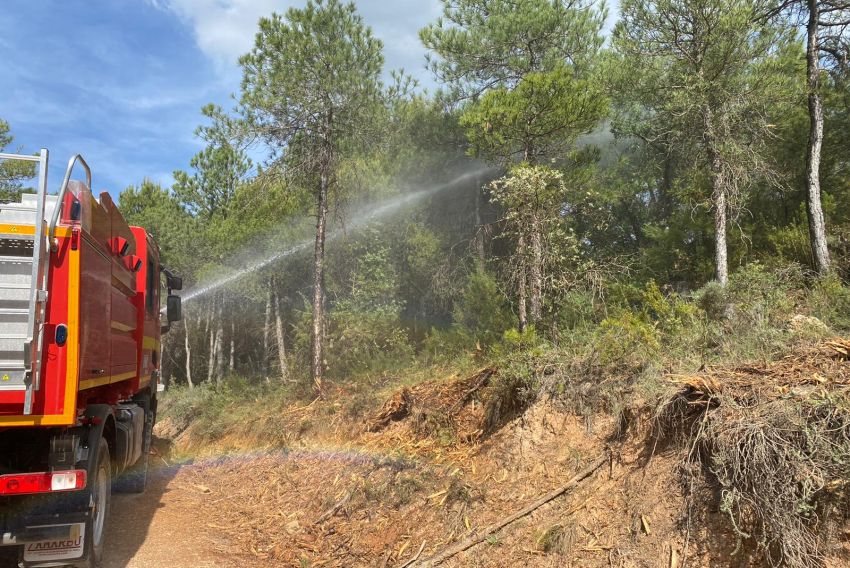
{"x":80,"y":327}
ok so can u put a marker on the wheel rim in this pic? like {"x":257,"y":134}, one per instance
{"x":101,"y":495}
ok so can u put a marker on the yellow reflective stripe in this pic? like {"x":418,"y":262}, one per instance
{"x":72,"y":361}
{"x":122,"y":326}
{"x":6,"y":228}
{"x":41,"y":420}
{"x":108,"y":380}
{"x":13,"y":229}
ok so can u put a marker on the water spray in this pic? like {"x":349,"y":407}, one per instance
{"x":359,"y":221}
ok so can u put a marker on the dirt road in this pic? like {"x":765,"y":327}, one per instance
{"x":158,"y":528}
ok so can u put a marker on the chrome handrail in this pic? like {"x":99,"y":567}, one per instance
{"x":21,"y":157}
{"x":38,"y":294}
{"x":60,"y":200}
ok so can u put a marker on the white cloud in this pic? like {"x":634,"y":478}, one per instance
{"x":223,"y":29}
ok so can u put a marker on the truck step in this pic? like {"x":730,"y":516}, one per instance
{"x":13,"y":286}
{"x":14,"y":312}
{"x":17,"y":207}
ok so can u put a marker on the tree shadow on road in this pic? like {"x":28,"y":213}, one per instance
{"x":131,"y":515}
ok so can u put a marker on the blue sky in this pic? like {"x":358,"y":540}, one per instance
{"x":123,"y":81}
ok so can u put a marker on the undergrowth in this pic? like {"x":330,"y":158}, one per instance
{"x":780,"y":461}
{"x":616,"y":352}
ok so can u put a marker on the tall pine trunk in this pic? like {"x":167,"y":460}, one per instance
{"x":718,"y":197}
{"x":814,"y":209}
{"x":267,"y":331}
{"x":230,"y":363}
{"x":536,"y":272}
{"x":317,"y":363}
{"x":281,"y":346}
{"x":522,"y":292}
{"x":479,"y":230}
{"x":219,"y":351}
{"x":721,"y":260}
{"x":211,"y":330}
{"x":188,"y":355}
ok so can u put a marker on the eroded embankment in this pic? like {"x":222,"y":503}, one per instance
{"x":735,"y":467}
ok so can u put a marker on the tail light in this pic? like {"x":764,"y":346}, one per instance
{"x":28,"y":483}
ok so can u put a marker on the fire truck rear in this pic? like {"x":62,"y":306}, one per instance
{"x":80,"y":327}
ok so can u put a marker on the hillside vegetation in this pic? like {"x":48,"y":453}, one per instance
{"x":441,"y":305}
{"x":734,"y":402}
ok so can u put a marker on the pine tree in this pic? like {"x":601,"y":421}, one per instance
{"x":827,"y":24}
{"x":309,"y":87}
{"x":703,"y":77}
{"x":524,"y":69}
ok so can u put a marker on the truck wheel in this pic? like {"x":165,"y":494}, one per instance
{"x":101,"y":487}
{"x":135,"y":478}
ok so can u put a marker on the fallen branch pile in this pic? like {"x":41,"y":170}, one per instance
{"x":776,"y":439}
{"x":437,"y":405}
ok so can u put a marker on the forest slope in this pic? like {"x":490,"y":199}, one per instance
{"x":716,"y":441}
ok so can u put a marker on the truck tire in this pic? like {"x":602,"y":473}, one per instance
{"x":101,"y":487}
{"x":135,"y":478}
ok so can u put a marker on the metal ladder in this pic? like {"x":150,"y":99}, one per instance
{"x":24,"y":263}
{"x":24,"y":268}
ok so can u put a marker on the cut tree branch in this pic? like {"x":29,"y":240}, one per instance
{"x":447,"y":553}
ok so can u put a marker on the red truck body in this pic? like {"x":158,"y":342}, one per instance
{"x":111,"y":312}
{"x":80,"y":327}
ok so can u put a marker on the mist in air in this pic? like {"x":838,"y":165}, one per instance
{"x":364,"y":217}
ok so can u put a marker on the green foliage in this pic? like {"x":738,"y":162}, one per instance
{"x":219,"y":170}
{"x":764,"y":297}
{"x":627,"y":340}
{"x":577,"y":308}
{"x":480,"y":44}
{"x":516,"y":341}
{"x":829,"y":301}
{"x":545,"y":111}
{"x":324,"y":64}
{"x":365,"y":330}
{"x":364,"y":341}
{"x":446,"y":344}
{"x":601,"y":220}
{"x":12,"y":172}
{"x":176,"y":231}
{"x":712,"y":300}
{"x":482,"y":310}
{"x":700,"y":82}
{"x":670,"y":312}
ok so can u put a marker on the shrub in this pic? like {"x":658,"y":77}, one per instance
{"x":670,"y":312}
{"x":577,"y":308}
{"x":711,"y":299}
{"x":446,"y":344}
{"x":365,"y":341}
{"x":483,"y":309}
{"x":762,"y":296}
{"x":627,"y":339}
{"x":829,"y":301}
